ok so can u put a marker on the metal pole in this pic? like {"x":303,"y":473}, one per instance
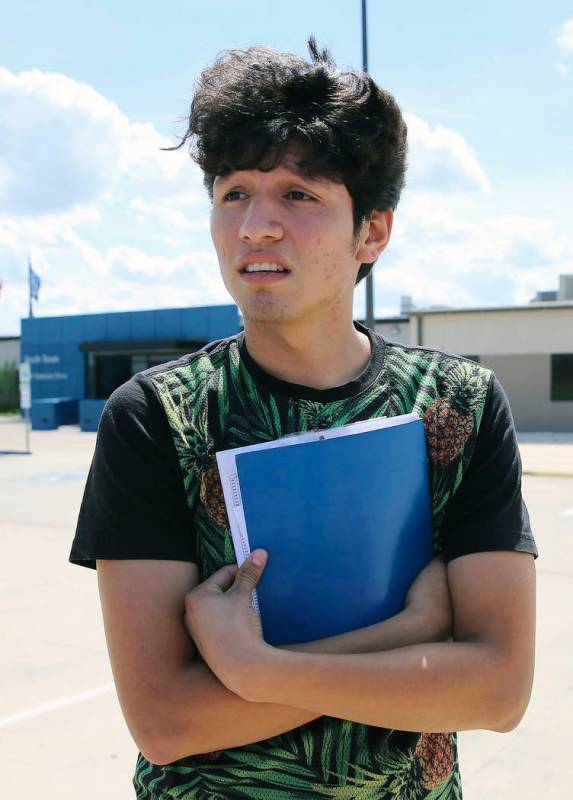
{"x":30,"y":311}
{"x":369,"y":279}
{"x":364,"y":38}
{"x":25,"y":384}
{"x":27,"y":424}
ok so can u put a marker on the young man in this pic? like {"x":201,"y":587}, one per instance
{"x":304,"y":165}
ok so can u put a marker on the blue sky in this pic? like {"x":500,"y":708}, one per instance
{"x":88,"y":93}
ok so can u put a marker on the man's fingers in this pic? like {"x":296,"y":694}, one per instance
{"x":223,"y":578}
{"x":219,"y":581}
{"x":244,"y":579}
{"x":251,"y":570}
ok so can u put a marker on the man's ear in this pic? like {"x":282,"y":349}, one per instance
{"x":374,"y":236}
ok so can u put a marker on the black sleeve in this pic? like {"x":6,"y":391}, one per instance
{"x":134,"y":503}
{"x":487,"y":512}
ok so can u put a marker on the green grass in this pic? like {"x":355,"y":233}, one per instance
{"x":9,"y":390}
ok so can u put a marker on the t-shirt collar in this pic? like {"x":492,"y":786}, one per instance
{"x":295,"y":390}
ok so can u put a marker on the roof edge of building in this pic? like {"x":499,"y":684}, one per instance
{"x":541,"y":306}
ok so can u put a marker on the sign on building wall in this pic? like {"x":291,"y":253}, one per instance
{"x":25,"y":372}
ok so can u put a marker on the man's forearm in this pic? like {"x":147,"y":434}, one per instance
{"x":430,"y":687}
{"x":406,"y":628}
{"x":201,"y":715}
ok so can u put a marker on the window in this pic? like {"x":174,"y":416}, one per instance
{"x":562,"y":376}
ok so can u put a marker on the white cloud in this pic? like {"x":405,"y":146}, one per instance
{"x":78,"y":277}
{"x":64,"y":145}
{"x":561,"y":69}
{"x":59,"y":141}
{"x":565,"y":37}
{"x":96,"y":202}
{"x":441,"y":160}
{"x":173,"y":217}
{"x":128,"y":261}
{"x":443,"y":258}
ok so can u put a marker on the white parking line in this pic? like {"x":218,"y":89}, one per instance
{"x":14,"y":719}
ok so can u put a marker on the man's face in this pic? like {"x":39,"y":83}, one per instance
{"x":281,"y":217}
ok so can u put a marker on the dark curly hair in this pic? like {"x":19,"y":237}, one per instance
{"x":251,"y":104}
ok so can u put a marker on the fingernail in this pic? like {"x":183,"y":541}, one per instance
{"x":256,"y":559}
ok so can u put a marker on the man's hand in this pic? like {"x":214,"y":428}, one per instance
{"x":220,"y":619}
{"x":429,"y":600}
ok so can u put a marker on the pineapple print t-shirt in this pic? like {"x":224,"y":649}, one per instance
{"x":153,"y":492}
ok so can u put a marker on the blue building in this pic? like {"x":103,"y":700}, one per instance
{"x":78,"y":361}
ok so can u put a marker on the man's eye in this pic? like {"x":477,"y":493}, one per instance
{"x":232,"y":192}
{"x":301,"y":194}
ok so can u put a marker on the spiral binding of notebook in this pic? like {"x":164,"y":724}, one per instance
{"x":246,"y":550}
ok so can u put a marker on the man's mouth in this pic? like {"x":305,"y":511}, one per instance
{"x":264,"y":272}
{"x":264,"y":267}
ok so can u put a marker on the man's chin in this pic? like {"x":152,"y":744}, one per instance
{"x":263,"y":311}
{"x":265,"y":319}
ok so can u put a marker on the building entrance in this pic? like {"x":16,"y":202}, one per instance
{"x":110,"y":364}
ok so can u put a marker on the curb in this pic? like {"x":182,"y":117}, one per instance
{"x":548,"y":473}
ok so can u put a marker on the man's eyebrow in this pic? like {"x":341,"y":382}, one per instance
{"x":296,"y":170}
{"x":293,"y":168}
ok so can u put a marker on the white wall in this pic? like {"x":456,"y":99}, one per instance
{"x":535,"y":330}
{"x":526,"y":379}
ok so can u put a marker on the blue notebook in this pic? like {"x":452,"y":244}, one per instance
{"x":347,"y":524}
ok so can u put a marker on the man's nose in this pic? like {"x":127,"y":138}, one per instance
{"x":260,"y":221}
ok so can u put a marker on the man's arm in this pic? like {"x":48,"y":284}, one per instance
{"x":174,"y":706}
{"x":480,"y":680}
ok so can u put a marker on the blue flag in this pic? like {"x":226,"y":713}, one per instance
{"x":35,"y":282}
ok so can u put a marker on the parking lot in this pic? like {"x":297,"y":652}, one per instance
{"x":62,"y":734}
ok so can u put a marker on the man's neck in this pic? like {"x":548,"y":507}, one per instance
{"x":309,"y":356}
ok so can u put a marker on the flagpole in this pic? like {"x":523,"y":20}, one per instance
{"x":370,"y":322}
{"x":30,"y":311}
